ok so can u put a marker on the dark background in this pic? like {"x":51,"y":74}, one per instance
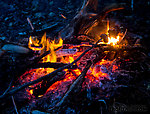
{"x":44,"y":13}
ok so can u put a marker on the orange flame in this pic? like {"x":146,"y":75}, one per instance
{"x":111,"y":40}
{"x":35,"y":42}
{"x":97,"y":72}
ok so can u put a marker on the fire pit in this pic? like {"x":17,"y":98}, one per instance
{"x":89,"y":68}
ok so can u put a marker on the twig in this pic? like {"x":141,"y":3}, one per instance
{"x":14,"y":104}
{"x":121,"y":48}
{"x":123,"y":36}
{"x":41,"y":31}
{"x":75,"y":85}
{"x":51,"y":75}
{"x":35,"y":32}
{"x":30,"y":23}
{"x":8,"y":88}
{"x":102,"y":100}
{"x":36,"y":60}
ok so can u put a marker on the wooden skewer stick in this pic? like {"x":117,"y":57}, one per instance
{"x":29,"y":21}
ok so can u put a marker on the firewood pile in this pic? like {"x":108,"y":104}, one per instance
{"x":94,"y":65}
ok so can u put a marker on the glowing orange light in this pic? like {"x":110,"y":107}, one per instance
{"x":112,"y":40}
{"x":31,"y":91}
{"x":63,"y":16}
{"x":35,"y":42}
{"x":70,"y":76}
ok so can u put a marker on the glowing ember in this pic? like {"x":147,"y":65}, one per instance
{"x":101,"y":70}
{"x":35,"y":42}
{"x":112,"y":40}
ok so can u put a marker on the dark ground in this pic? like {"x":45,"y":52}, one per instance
{"x":44,"y":13}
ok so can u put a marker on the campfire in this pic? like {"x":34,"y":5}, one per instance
{"x":65,"y":54}
{"x":89,"y":60}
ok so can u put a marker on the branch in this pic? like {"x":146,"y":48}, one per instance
{"x":14,"y":105}
{"x":35,"y":32}
{"x":52,"y":65}
{"x":75,"y":86}
{"x":37,"y":59}
{"x":51,"y":75}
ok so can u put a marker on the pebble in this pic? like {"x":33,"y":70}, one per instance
{"x":22,"y":33}
{"x":51,"y":14}
{"x":38,"y":112}
{"x":38,"y":15}
{"x":2,"y":38}
{"x":10,"y":24}
{"x":6,"y":18}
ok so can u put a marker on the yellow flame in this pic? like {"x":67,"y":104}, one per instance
{"x":35,"y":42}
{"x":107,"y":27}
{"x":31,"y":91}
{"x":40,"y":96}
{"x":51,"y":46}
{"x":48,"y":46}
{"x":112,"y":40}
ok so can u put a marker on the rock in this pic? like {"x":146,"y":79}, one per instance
{"x":38,"y":15}
{"x":15,"y":49}
{"x":51,"y":14}
{"x":10,"y":24}
{"x":6,"y":18}
{"x":22,"y":33}
{"x":35,"y":4}
{"x":2,"y":38}
{"x":38,"y":112}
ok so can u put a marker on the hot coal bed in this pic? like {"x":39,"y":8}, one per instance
{"x":96,"y":61}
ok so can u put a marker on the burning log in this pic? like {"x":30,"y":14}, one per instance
{"x":74,"y":88}
{"x":40,"y":90}
{"x":123,"y":48}
{"x":50,"y":75}
{"x":52,"y":65}
{"x":47,"y":83}
{"x":33,"y":63}
{"x":66,"y":52}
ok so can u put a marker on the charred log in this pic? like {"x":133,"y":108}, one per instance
{"x":16,"y":89}
{"x":74,"y":88}
{"x":52,"y":65}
